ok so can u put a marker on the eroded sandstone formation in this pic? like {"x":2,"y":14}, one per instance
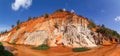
{"x":60,"y":28}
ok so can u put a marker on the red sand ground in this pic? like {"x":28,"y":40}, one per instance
{"x":112,"y":50}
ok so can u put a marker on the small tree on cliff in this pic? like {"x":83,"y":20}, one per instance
{"x":12,"y":26}
{"x":17,"y":27}
{"x":29,"y":18}
{"x":46,"y":15}
{"x":59,"y":10}
{"x":18,"y":22}
{"x":3,"y":32}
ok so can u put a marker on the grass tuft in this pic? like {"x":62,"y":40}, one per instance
{"x":42,"y":47}
{"x":80,"y":49}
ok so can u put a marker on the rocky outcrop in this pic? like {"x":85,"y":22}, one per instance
{"x":35,"y":38}
{"x":60,"y":28}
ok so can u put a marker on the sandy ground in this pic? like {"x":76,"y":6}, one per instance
{"x":21,"y":50}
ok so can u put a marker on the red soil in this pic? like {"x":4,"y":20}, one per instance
{"x":22,"y":50}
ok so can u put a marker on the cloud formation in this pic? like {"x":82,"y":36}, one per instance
{"x":117,"y":18}
{"x":21,"y":3}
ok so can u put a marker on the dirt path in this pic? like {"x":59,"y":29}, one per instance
{"x":113,"y":50}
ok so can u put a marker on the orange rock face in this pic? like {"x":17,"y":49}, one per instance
{"x":63,"y":27}
{"x":105,"y":42}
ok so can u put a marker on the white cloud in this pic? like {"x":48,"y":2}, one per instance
{"x":21,"y":3}
{"x":117,"y":18}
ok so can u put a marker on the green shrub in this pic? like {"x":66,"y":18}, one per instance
{"x":59,"y":10}
{"x":12,"y":26}
{"x":13,"y":43}
{"x":4,"y":52}
{"x":80,"y":49}
{"x":17,"y":28}
{"x":91,"y":24}
{"x":46,"y":15}
{"x":18,"y":22}
{"x":3,"y":32}
{"x":107,"y":32}
{"x":0,"y":43}
{"x":29,"y":18}
{"x":1,"y":48}
{"x":42,"y":47}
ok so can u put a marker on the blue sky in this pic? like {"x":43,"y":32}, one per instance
{"x":105,"y":12}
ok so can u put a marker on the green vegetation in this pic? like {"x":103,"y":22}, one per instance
{"x":13,"y":43}
{"x":59,"y":10}
{"x":46,"y":15}
{"x":80,"y":49}
{"x":18,"y":22}
{"x":42,"y":47}
{"x":107,"y":32}
{"x":12,"y":26}
{"x":62,"y":10}
{"x":17,"y":28}
{"x":104,"y":30}
{"x":91,"y":24}
{"x":4,"y":52}
{"x":3,"y":32}
{"x":29,"y":18}
{"x":0,"y":43}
